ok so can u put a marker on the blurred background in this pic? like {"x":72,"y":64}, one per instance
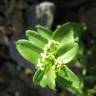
{"x":18,"y":15}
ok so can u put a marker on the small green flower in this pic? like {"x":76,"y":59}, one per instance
{"x":50,"y":52}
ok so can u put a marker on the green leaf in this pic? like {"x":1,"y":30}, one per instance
{"x":45,"y":33}
{"x":38,"y":76}
{"x":28,"y":51}
{"x":65,"y":85}
{"x":43,"y":82}
{"x":64,"y":48}
{"x":71,"y":78}
{"x":69,"y":37}
{"x":69,"y":55}
{"x":79,"y":28}
{"x":67,"y":33}
{"x":36,"y":39}
{"x":51,"y":78}
{"x":64,"y":33}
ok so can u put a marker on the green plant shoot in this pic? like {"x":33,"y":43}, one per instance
{"x":50,"y":53}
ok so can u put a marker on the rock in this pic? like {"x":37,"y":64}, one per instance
{"x":42,"y":14}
